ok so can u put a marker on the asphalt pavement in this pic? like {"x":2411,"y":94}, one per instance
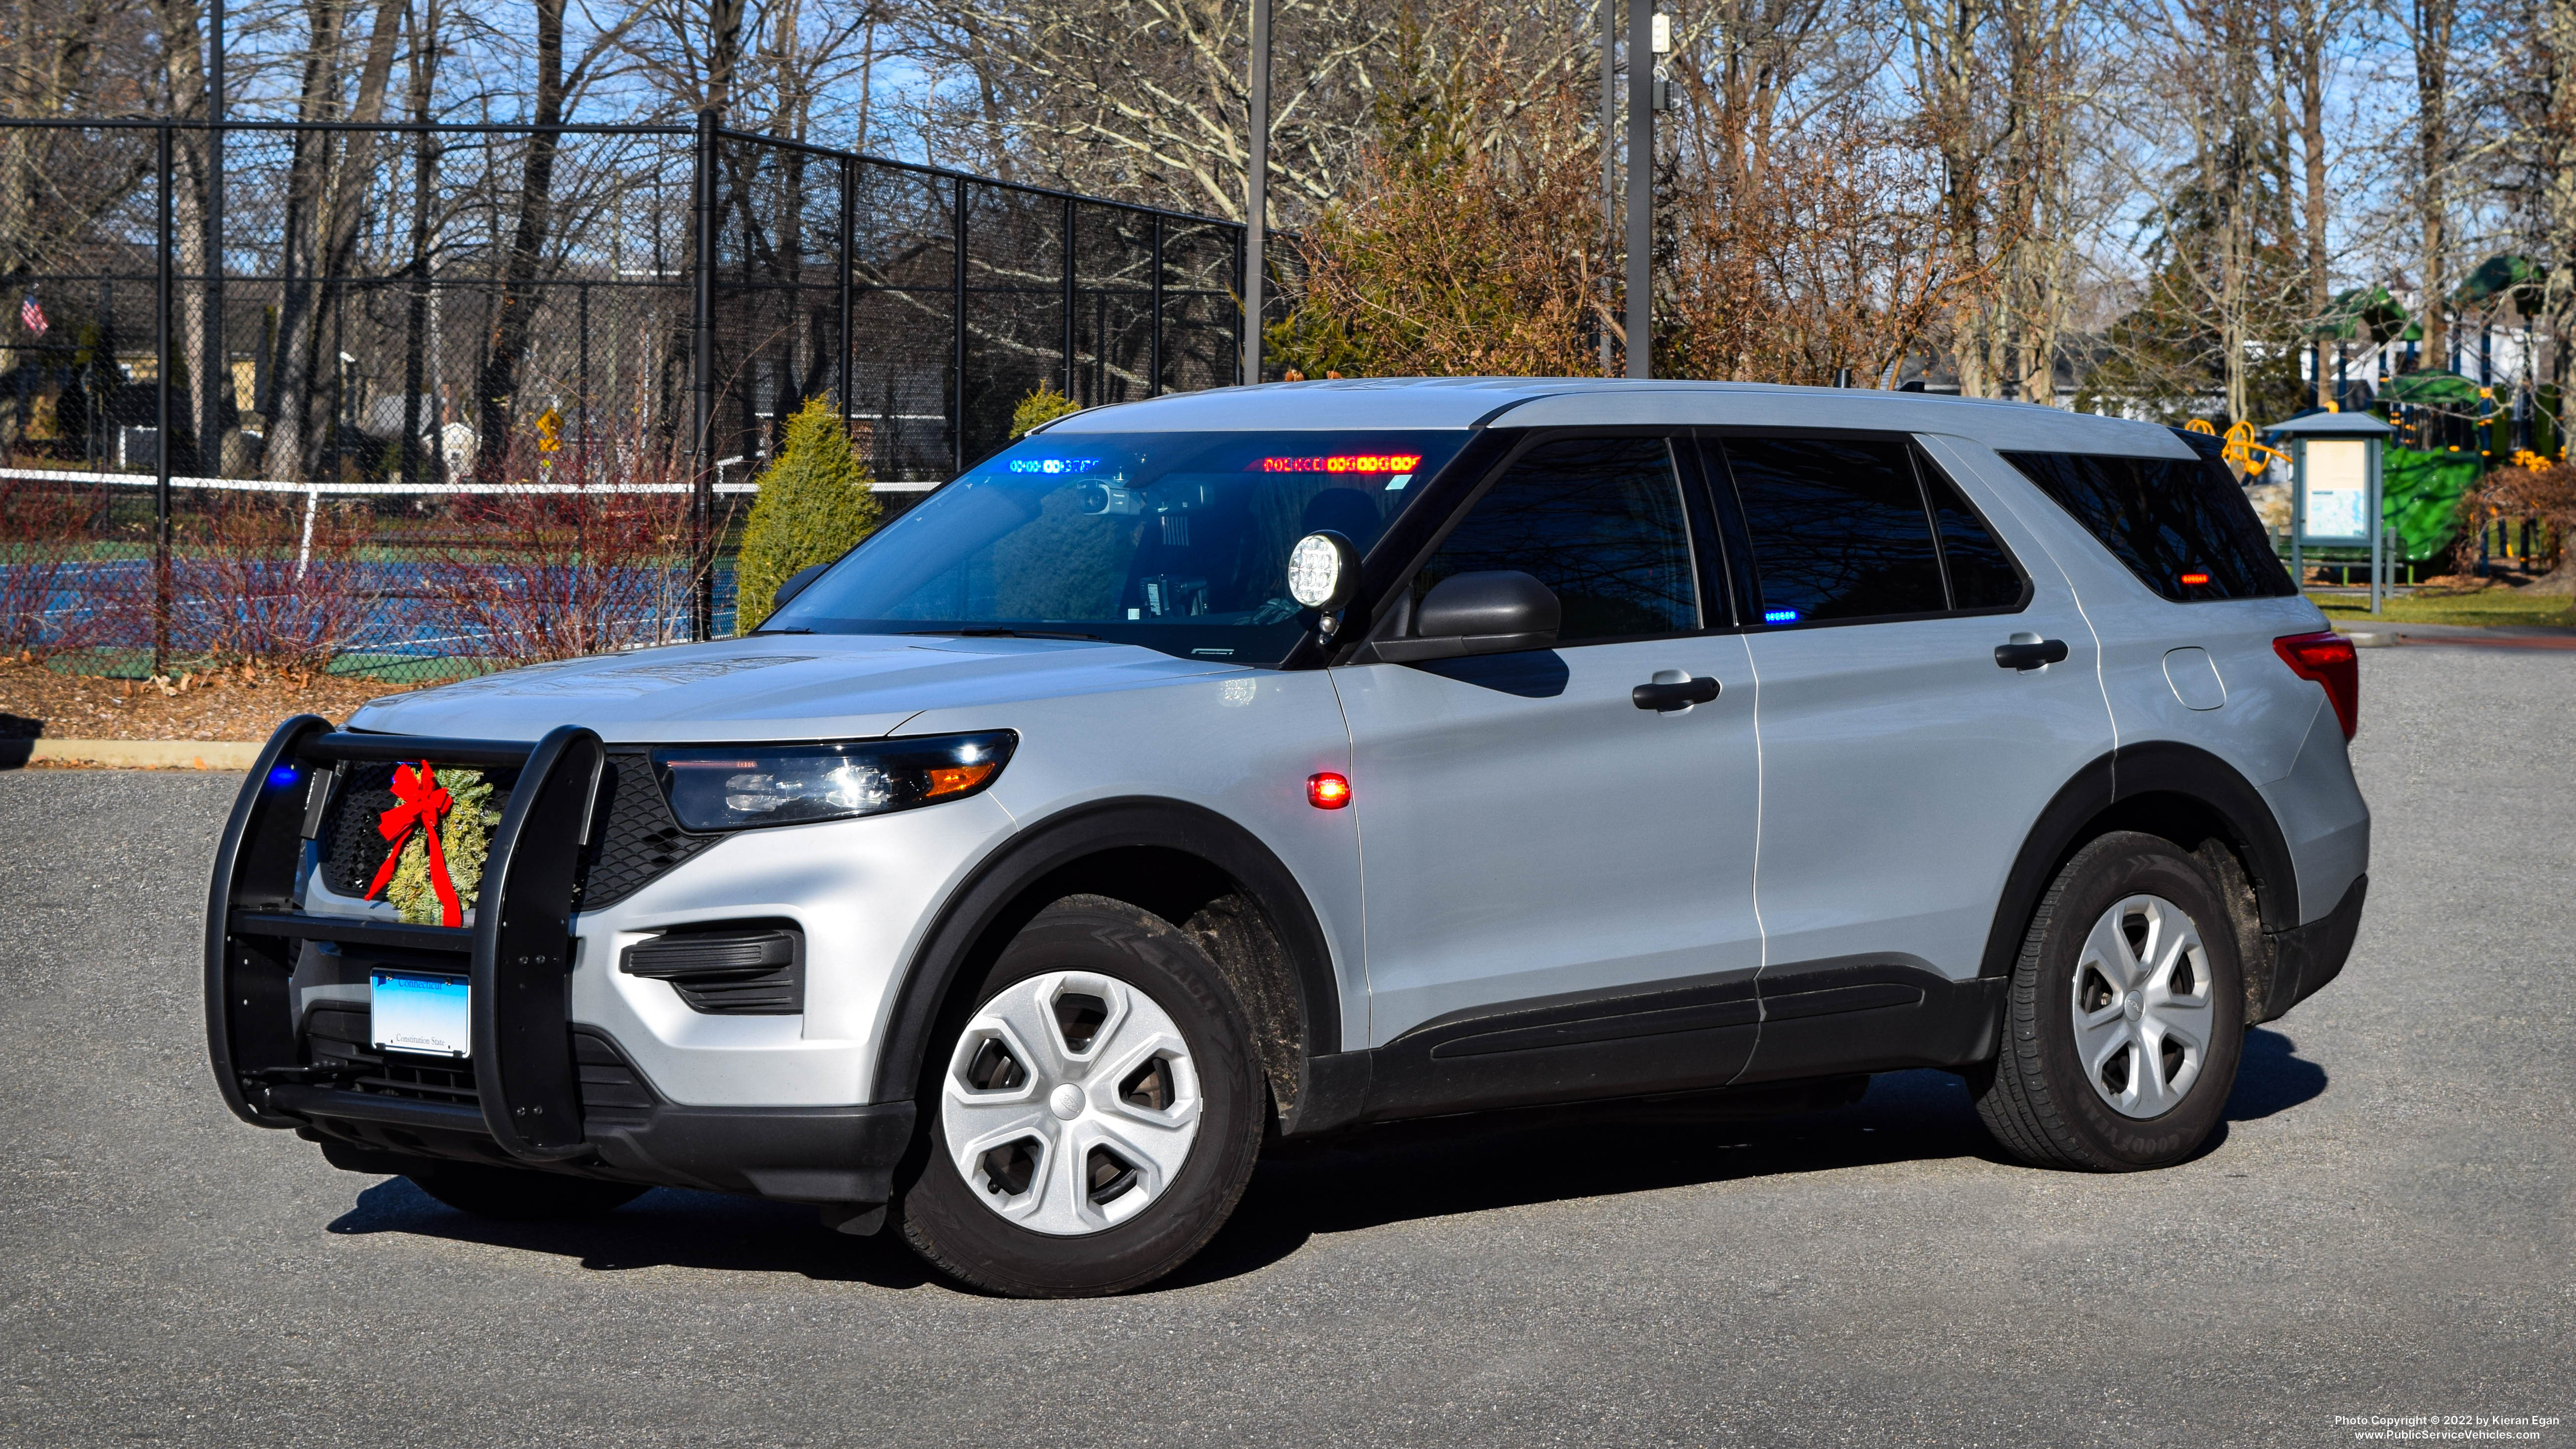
{"x":2385,"y":1227}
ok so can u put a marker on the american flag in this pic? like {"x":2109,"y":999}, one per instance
{"x":33,"y":316}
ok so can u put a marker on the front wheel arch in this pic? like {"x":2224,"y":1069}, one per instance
{"x":1228,"y":890}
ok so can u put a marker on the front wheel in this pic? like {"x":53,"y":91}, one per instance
{"x":2126,"y":1014}
{"x":1096,"y":1115}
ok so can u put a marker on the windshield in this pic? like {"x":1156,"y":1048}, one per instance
{"x":1174,"y":541}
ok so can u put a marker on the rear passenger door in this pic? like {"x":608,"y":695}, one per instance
{"x":1902,"y":764}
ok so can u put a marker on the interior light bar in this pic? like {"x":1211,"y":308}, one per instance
{"x":1342,"y":463}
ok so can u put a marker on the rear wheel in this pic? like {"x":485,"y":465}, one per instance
{"x":1095,"y":1117}
{"x":518,"y":1194}
{"x":2126,"y":1015}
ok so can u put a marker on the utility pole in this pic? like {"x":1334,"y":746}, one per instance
{"x":1641,"y":185}
{"x":1609,"y":154}
{"x":1256,"y":187}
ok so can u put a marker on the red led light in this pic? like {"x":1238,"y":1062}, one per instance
{"x":1328,"y":791}
{"x":1343,"y":463}
{"x":2193,"y":581}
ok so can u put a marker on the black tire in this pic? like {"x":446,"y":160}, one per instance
{"x":956,"y":1233}
{"x":517,"y":1194}
{"x":2036,"y":1097}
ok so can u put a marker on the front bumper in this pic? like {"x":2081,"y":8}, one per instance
{"x":538,"y":1089}
{"x":797,"y":1154}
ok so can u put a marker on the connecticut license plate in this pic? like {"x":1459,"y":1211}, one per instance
{"x":417,"y":1013}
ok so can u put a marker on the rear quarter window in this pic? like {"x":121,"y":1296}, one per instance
{"x":2182,"y":525}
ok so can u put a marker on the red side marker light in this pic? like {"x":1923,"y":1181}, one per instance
{"x":2327,"y":660}
{"x":2193,"y":581}
{"x":1328,"y":791}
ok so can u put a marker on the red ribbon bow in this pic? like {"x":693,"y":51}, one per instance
{"x":419,"y":801}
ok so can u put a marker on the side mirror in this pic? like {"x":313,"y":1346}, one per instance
{"x":1323,"y":570}
{"x":795,"y":585}
{"x":1501,"y":612}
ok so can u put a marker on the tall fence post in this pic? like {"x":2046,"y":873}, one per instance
{"x":843,"y":393}
{"x":1154,"y":388}
{"x":957,"y":338}
{"x":161,"y":414}
{"x":1069,"y":345}
{"x":702,"y":389}
{"x":219,"y":370}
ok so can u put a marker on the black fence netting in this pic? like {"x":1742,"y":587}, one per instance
{"x":412,"y":401}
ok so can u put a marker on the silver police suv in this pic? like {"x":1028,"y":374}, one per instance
{"x":1257,"y":764}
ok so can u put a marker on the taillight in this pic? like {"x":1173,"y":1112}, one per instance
{"x":2328,"y":659}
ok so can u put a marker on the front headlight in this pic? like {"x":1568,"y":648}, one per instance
{"x":719,"y":787}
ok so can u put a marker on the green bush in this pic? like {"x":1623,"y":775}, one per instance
{"x":1038,"y":409}
{"x":815,"y":504}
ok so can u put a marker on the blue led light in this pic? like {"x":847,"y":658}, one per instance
{"x":1053,"y":465}
{"x":1779,"y":616}
{"x":281,"y":777}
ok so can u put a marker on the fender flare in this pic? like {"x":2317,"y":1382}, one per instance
{"x":966,"y":920}
{"x":2155,"y":767}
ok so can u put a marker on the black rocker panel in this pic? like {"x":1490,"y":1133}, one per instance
{"x":1869,"y":1014}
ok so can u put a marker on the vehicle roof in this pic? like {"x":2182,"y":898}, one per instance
{"x":1376,"y":403}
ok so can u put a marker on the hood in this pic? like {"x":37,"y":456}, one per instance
{"x":772,"y":687}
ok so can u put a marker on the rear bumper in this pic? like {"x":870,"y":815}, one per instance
{"x":796,"y":1154}
{"x":2304,"y":958}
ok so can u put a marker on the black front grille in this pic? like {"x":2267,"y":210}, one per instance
{"x":637,"y":840}
{"x":742,"y":968}
{"x":339,"y":1036}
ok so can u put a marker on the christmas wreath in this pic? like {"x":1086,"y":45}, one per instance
{"x":440,"y":832}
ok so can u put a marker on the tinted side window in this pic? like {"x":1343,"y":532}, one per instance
{"x":2167,"y":519}
{"x":1982,"y":575}
{"x":1838,"y":528}
{"x":1600,"y":521}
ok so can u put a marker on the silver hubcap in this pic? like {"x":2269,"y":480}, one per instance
{"x":1070,"y":1103}
{"x":2142,"y":1006}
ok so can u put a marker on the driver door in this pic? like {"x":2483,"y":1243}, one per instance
{"x":1558,"y":881}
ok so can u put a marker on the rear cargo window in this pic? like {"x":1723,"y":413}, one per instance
{"x":2182,"y":525}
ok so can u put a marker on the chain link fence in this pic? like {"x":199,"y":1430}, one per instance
{"x":416,"y":400}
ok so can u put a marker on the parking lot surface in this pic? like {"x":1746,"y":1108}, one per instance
{"x":2385,"y":1227}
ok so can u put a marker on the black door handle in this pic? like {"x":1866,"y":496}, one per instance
{"x":2028,"y":656}
{"x":1665,"y":698}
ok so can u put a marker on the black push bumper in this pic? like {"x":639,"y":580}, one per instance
{"x":2305,"y":958}
{"x":527,"y":1103}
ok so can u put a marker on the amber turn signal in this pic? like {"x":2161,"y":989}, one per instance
{"x":949,"y":781}
{"x":1328,"y":791}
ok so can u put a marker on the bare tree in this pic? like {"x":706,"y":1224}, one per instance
{"x":2436,"y":150}
{"x":2555,"y":177}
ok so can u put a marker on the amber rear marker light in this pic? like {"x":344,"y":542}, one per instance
{"x":1328,"y":791}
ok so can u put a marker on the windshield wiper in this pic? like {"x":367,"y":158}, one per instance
{"x":756,"y":633}
{"x":999,"y":634}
